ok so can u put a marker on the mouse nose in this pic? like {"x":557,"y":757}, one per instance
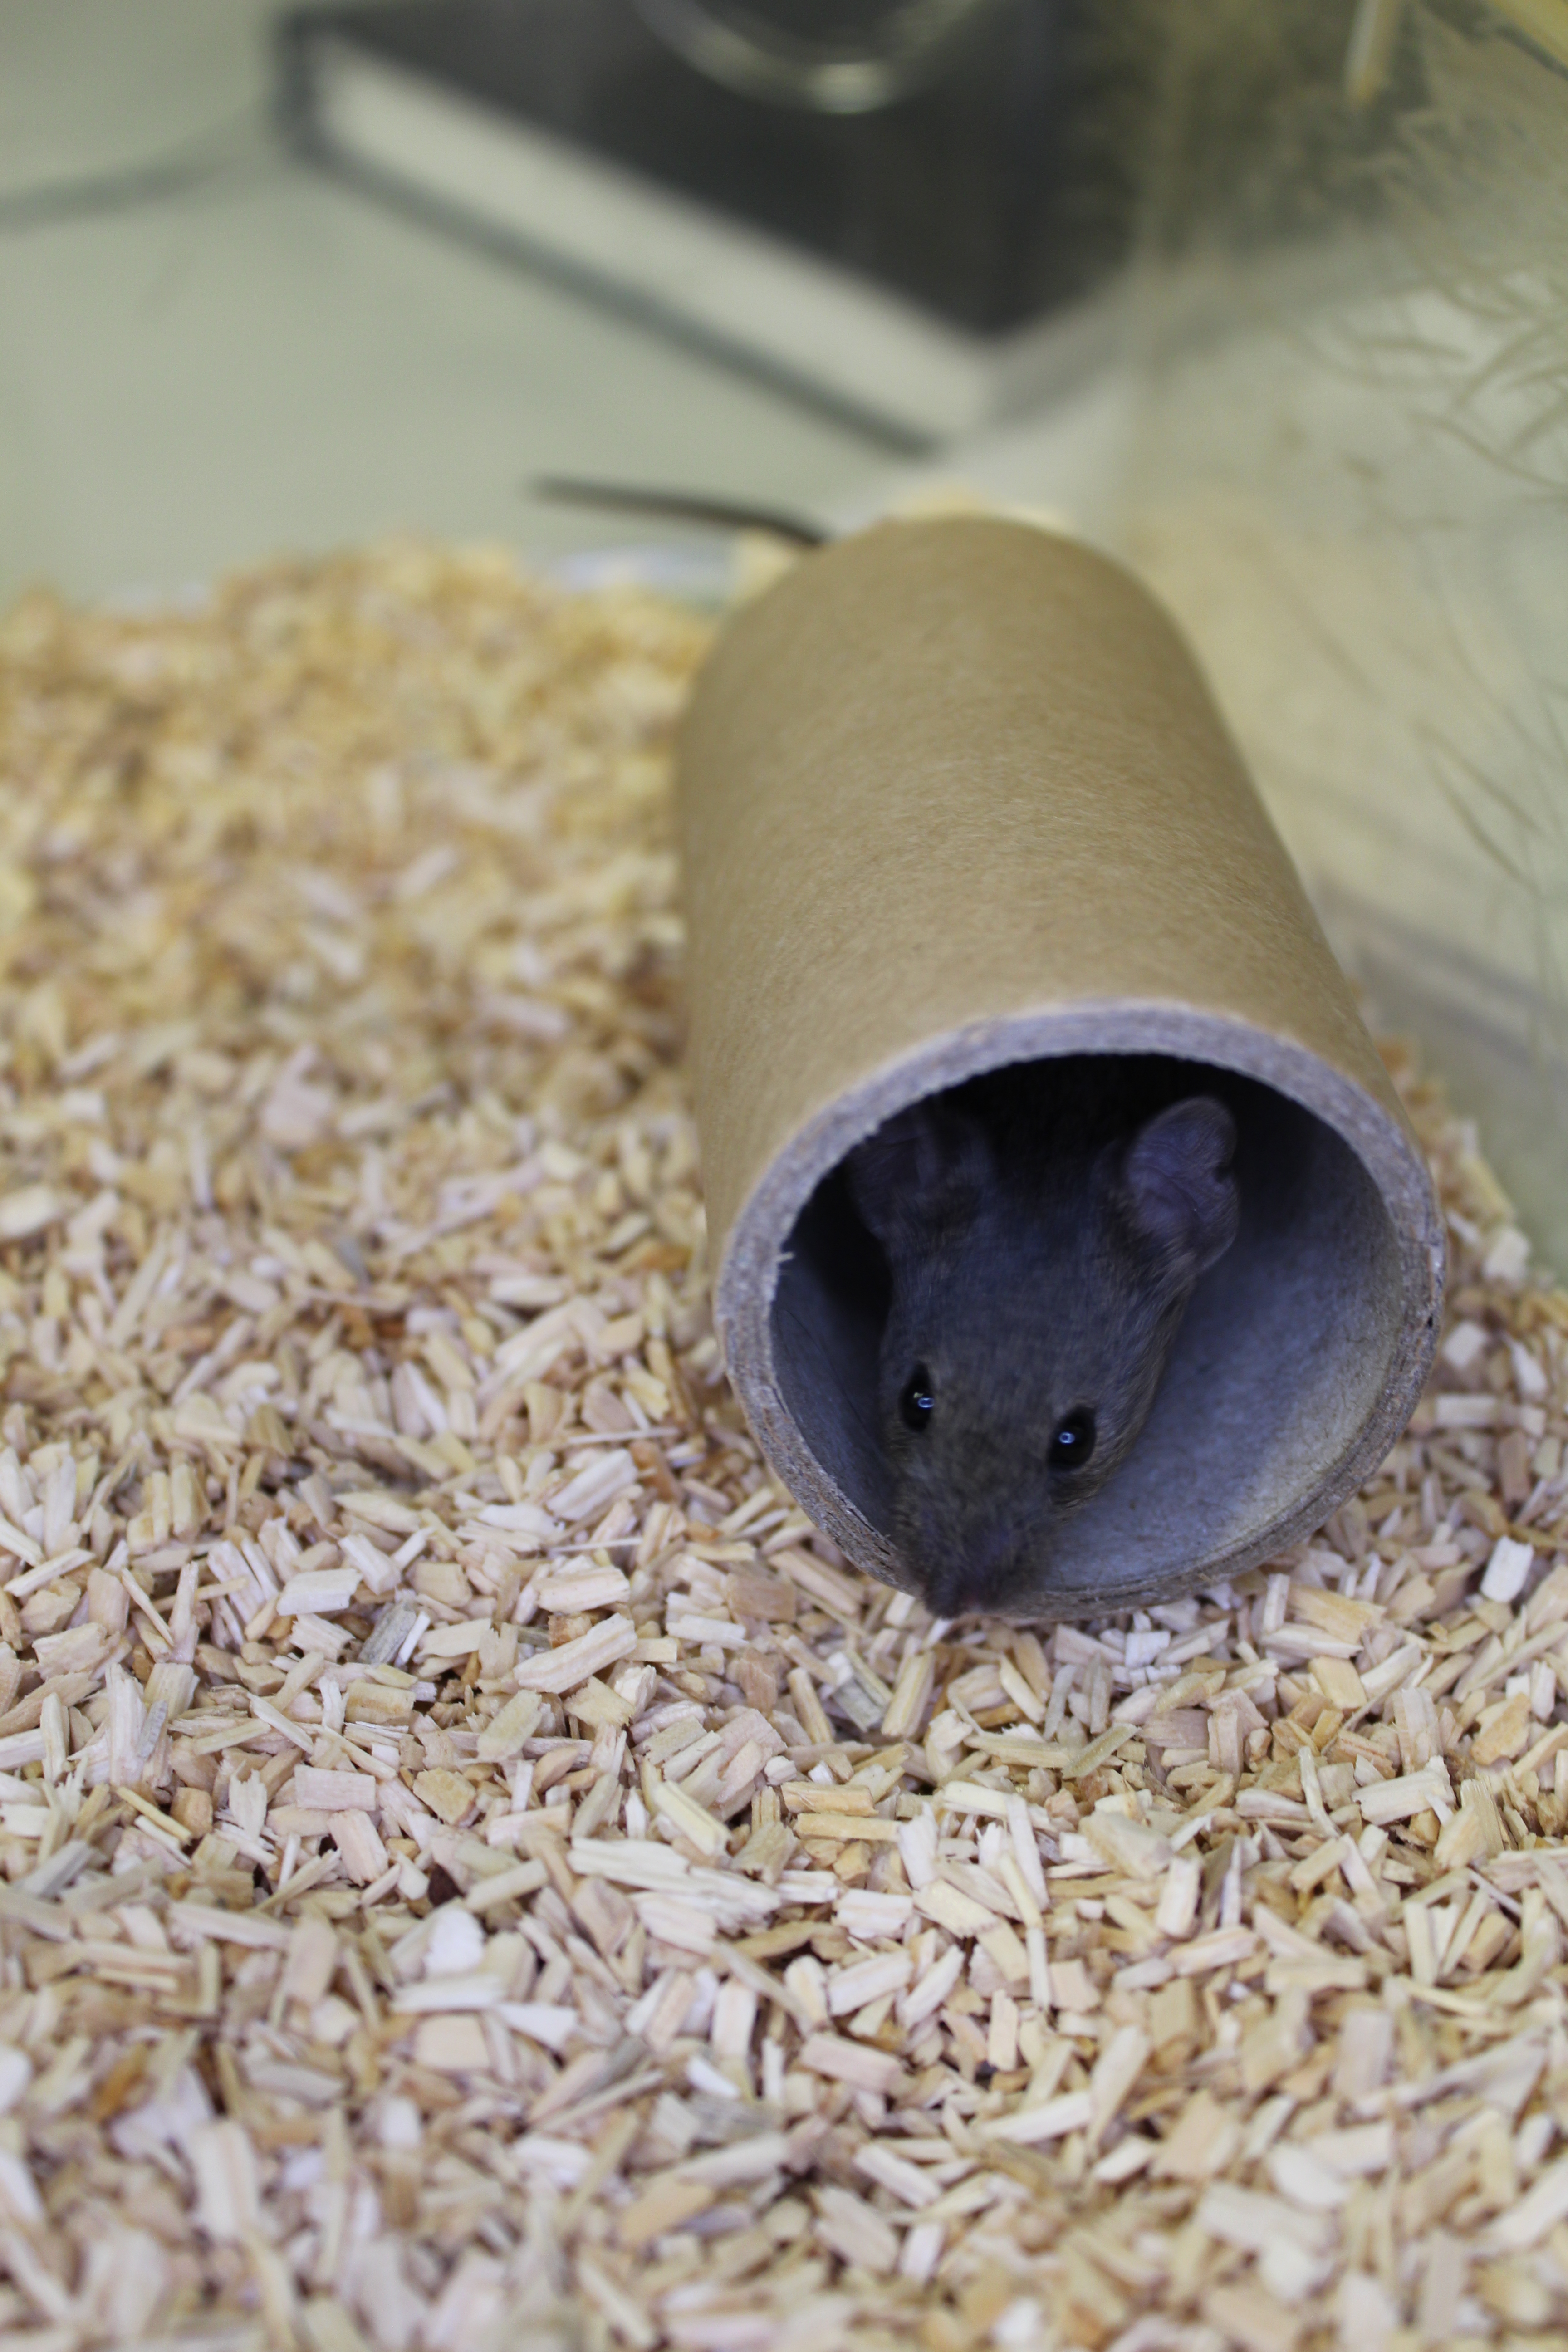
{"x":975,"y":1576}
{"x":948,"y":1592}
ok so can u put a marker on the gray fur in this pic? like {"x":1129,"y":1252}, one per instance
{"x":1044,"y":1231}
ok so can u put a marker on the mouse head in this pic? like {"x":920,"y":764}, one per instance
{"x":1034,"y":1302}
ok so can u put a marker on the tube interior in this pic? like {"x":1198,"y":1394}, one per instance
{"x":1281,"y":1359}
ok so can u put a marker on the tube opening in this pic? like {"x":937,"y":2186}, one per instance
{"x":1281,"y":1357}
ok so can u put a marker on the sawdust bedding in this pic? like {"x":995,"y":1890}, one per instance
{"x":477,"y":1867}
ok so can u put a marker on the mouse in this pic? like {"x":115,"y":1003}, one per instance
{"x":1043,"y":1231}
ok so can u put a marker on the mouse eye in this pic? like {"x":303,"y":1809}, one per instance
{"x":1073,"y":1440}
{"x":917,"y":1403}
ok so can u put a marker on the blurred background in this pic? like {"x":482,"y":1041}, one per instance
{"x":1270,"y":297}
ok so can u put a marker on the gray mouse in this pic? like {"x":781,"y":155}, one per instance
{"x":1044,"y":1229}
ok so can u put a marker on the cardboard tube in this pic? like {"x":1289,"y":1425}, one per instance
{"x":953,"y":796}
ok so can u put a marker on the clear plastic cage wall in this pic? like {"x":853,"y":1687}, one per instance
{"x":1349,"y":482}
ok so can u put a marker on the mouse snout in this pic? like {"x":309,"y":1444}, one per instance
{"x":975,"y":1573}
{"x":947,"y":1590}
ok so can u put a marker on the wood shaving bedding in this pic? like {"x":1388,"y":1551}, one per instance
{"x":478,"y":1867}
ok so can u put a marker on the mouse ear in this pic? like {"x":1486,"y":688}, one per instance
{"x":925,"y":1166}
{"x":1176,"y":1182}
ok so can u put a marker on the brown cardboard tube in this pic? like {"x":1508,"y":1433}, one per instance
{"x":954,"y":796}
